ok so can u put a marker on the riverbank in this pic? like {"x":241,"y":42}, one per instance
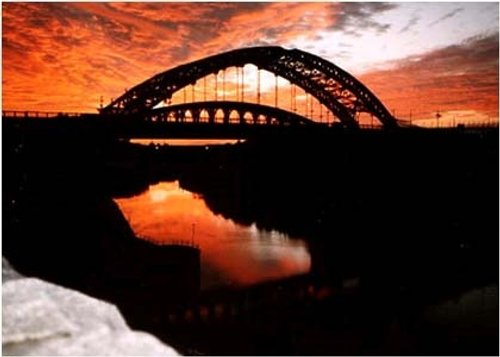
{"x":361,"y":218}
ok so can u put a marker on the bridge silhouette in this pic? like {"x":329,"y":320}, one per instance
{"x":341,"y":93}
{"x":147,"y":110}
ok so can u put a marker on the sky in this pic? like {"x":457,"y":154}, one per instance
{"x":418,"y":58}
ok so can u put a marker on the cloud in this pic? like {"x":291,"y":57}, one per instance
{"x":276,"y":24}
{"x":86,"y":50}
{"x":357,"y":17}
{"x":80,"y":49}
{"x":462,"y":77}
{"x":64,"y":56}
{"x":411,"y":23}
{"x":446,"y":16}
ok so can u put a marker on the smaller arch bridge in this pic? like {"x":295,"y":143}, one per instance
{"x":226,"y":113}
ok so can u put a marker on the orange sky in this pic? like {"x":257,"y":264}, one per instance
{"x":418,"y":57}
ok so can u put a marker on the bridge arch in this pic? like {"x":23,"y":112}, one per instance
{"x":248,"y":117}
{"x":220,"y":115}
{"x":333,"y":87}
{"x":204,"y":116}
{"x":234,"y":116}
{"x":229,"y":113}
{"x":188,"y":116}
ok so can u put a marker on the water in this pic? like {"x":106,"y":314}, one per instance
{"x":186,"y":142}
{"x":231,"y":254}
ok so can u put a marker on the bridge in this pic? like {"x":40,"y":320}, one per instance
{"x":159,"y":106}
{"x":148,"y":109}
{"x":341,"y":93}
{"x":148,"y":106}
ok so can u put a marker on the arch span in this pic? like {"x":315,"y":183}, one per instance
{"x":333,"y":87}
{"x":226,"y":108}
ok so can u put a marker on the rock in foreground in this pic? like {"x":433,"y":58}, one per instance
{"x":40,"y":318}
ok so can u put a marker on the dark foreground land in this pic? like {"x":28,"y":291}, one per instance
{"x":402,"y":228}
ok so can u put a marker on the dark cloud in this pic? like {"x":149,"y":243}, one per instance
{"x":355,"y":18}
{"x":208,"y":18}
{"x":446,"y":16}
{"x":181,"y":53}
{"x":68,"y":41}
{"x":10,"y":45}
{"x":462,"y":77}
{"x":411,"y":23}
{"x":49,"y":58}
{"x":269,"y":24}
{"x":168,"y":24}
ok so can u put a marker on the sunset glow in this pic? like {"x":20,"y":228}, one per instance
{"x":418,"y":58}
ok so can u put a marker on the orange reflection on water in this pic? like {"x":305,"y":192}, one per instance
{"x":186,"y":142}
{"x":231,"y":253}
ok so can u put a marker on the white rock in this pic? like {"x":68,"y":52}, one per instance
{"x":8,"y":273}
{"x":40,"y":318}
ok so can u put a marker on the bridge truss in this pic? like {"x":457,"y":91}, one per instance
{"x":341,"y":93}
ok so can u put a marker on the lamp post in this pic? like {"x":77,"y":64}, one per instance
{"x":438,"y":115}
{"x":192,"y":234}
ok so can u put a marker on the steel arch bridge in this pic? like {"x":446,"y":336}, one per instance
{"x":337,"y":90}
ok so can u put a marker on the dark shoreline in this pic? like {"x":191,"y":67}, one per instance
{"x":61,"y":224}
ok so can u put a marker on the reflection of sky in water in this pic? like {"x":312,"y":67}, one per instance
{"x":186,"y":142}
{"x":231,"y":253}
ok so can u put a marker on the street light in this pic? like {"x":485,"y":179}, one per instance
{"x":438,"y":115}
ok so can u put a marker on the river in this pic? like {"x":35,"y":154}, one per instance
{"x":231,"y":254}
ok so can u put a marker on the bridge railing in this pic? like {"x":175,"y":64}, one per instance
{"x":371,"y":126}
{"x":169,"y":242}
{"x":473,"y":125}
{"x":38,"y":114}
